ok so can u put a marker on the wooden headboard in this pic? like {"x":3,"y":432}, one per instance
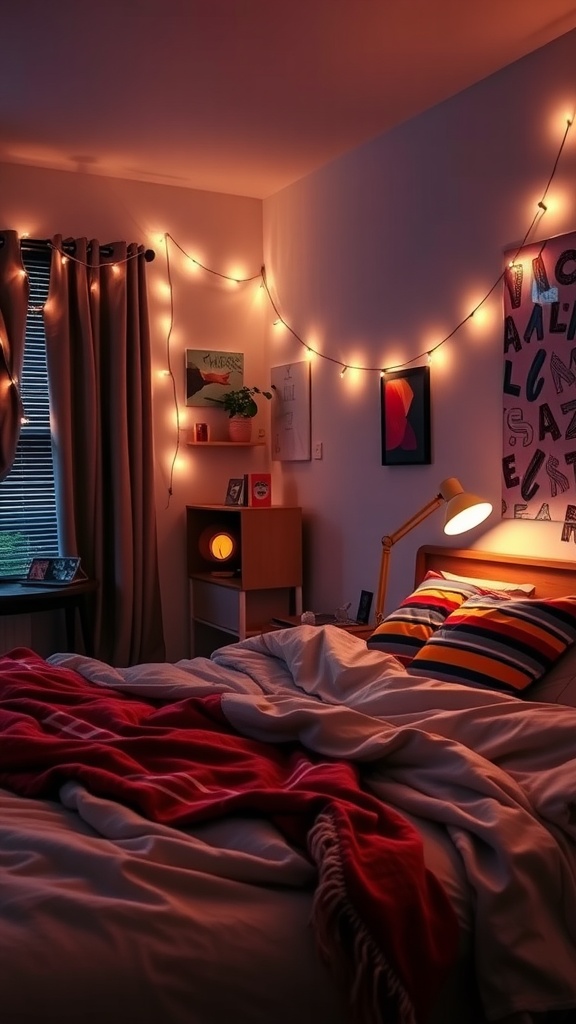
{"x":551,"y":577}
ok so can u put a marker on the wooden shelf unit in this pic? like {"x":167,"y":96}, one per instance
{"x":267,"y":569}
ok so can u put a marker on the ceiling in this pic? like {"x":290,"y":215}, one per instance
{"x":240,"y":96}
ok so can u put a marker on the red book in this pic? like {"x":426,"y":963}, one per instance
{"x":258,"y":489}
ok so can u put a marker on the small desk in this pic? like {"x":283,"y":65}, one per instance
{"x":24,"y":599}
{"x":356,"y":628}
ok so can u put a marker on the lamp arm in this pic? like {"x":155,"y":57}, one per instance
{"x":387,"y":543}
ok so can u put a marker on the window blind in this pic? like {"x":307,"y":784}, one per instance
{"x":28,"y":519}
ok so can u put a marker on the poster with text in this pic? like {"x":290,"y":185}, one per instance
{"x":539,"y":449}
{"x":291,"y":412}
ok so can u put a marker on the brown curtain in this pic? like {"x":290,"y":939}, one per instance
{"x":14,"y":291}
{"x":98,"y":349}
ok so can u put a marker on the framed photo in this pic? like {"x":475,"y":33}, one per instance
{"x":405,"y":417}
{"x":53,"y":570}
{"x":210,"y":373}
{"x":364,"y":606}
{"x":235,"y":492}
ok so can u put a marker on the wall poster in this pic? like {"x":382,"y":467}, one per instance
{"x":210,"y":373}
{"x":405,"y":417}
{"x":539,"y":449}
{"x":291,"y":412}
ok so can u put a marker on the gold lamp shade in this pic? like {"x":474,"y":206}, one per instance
{"x":464,"y":510}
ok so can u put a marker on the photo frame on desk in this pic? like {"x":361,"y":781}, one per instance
{"x":54,"y":571}
{"x":364,"y":606}
{"x":235,"y":492}
{"x":405,"y":417}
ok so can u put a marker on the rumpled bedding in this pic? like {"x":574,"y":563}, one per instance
{"x":379,"y":914}
{"x":497,"y":773}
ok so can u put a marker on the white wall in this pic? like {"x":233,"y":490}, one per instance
{"x":378,"y":256}
{"x":223,"y":232}
{"x":373,"y":259}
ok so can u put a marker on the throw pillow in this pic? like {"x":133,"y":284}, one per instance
{"x":503,"y":645}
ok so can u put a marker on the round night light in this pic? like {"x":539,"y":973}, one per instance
{"x":217,"y":545}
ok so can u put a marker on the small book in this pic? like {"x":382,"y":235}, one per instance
{"x":258,"y":489}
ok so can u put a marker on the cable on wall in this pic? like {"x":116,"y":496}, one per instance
{"x":541,"y":210}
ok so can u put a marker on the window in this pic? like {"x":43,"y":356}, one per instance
{"x":28,"y":521}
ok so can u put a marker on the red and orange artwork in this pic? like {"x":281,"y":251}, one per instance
{"x":399,"y":431}
{"x":406,"y":417}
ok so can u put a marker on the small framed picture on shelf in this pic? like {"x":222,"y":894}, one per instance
{"x":234,"y":494}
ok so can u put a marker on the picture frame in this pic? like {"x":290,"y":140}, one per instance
{"x":209,"y":374}
{"x":364,"y":606}
{"x":58,"y":571}
{"x":235,"y":492}
{"x":405,"y":417}
{"x":291,"y":412}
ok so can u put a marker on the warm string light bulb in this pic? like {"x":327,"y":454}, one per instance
{"x":425,"y":354}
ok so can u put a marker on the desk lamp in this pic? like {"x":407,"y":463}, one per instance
{"x":464,"y":511}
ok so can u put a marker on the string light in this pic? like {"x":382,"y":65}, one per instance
{"x":149,"y":255}
{"x":169,"y":372}
{"x":311,"y":353}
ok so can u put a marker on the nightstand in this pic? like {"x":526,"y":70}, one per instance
{"x":244,"y":567}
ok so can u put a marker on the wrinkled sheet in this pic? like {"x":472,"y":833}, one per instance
{"x":498,"y":774}
{"x":380,"y":917}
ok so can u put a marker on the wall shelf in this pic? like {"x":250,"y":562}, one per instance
{"x":226,"y":444}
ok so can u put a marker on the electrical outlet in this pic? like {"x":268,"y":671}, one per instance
{"x":318,"y":450}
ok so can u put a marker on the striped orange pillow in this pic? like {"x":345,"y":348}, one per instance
{"x":405,"y":631}
{"x":501,"y":645}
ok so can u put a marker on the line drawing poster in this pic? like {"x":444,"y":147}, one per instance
{"x":291,"y":412}
{"x":539,"y":442}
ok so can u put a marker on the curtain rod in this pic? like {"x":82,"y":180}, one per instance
{"x":37,"y":244}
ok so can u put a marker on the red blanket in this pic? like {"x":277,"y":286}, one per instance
{"x":378,"y":912}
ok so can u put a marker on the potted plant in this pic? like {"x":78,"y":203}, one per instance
{"x":241,"y":407}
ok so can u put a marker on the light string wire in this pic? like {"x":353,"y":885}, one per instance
{"x":167,"y":237}
{"x":172,"y":378}
{"x":148,"y":255}
{"x":238,"y":280}
{"x":427,"y":353}
{"x":540,"y":212}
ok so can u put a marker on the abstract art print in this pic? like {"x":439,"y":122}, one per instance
{"x":405,"y":417}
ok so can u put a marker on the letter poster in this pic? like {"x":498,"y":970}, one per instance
{"x":539,"y":457}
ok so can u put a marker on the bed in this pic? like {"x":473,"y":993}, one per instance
{"x":305,"y":827}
